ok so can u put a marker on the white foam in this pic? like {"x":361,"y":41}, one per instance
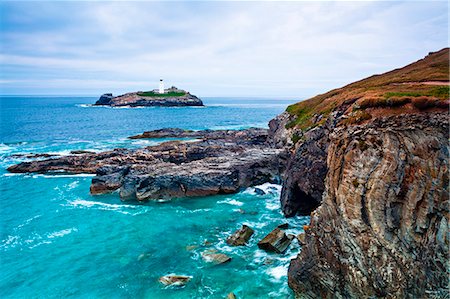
{"x":272,"y":206}
{"x":145,"y":142}
{"x":13,"y":174}
{"x":72,"y":185}
{"x":61,"y":233}
{"x":5,"y":148}
{"x":52,"y":176}
{"x":231,"y":202}
{"x":28,"y":221}
{"x":266,"y":187}
{"x":277,"y":272}
{"x":121,"y":208}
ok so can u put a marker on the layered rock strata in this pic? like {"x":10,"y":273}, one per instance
{"x":382,"y":229}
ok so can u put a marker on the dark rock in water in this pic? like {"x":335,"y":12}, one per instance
{"x":276,"y":241}
{"x":259,"y":191}
{"x":175,"y":280}
{"x":81,"y":152}
{"x":223,"y":162}
{"x":105,"y":99}
{"x":215,"y":258}
{"x":283,"y":226}
{"x":172,"y":98}
{"x":241,"y":236}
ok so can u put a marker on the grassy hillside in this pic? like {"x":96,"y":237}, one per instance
{"x":419,"y":86}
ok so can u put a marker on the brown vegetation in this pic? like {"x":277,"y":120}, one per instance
{"x":393,"y":89}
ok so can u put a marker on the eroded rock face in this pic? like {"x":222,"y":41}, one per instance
{"x":382,"y":229}
{"x":221,"y":162}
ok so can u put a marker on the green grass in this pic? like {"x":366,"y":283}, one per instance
{"x":441,"y":92}
{"x":160,"y":95}
{"x":295,"y":138}
{"x":438,"y":91}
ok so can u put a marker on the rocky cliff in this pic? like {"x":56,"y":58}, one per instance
{"x":369,"y":161}
{"x":173,"y":97}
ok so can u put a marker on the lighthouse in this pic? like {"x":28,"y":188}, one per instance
{"x":161,"y":86}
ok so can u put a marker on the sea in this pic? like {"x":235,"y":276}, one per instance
{"x":59,"y":241}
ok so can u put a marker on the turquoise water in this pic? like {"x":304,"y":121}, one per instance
{"x":59,"y":241}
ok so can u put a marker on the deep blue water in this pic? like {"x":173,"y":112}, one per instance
{"x":59,"y":241}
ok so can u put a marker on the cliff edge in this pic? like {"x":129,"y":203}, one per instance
{"x":369,"y":162}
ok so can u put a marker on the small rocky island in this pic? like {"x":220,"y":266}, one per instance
{"x":171,"y":97}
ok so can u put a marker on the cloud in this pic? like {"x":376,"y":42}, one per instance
{"x":211,"y":48}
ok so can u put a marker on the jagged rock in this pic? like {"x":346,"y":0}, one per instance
{"x":175,"y":280}
{"x":105,"y":99}
{"x":283,"y":225}
{"x":241,"y":236}
{"x":215,"y":258}
{"x":259,"y":191}
{"x":276,"y":241}
{"x":382,"y":228}
{"x":301,"y":238}
{"x":223,"y":162}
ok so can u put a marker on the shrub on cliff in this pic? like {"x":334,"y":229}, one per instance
{"x":423,"y":103}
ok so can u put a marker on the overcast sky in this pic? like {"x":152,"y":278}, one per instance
{"x":286,"y":49}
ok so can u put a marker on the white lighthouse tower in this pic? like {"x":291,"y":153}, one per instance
{"x":161,"y":86}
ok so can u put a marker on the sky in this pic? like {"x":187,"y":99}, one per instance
{"x":213,"y":48}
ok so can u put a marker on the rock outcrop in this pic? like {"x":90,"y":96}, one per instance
{"x":241,"y":236}
{"x":174,"y":280}
{"x":219,"y":163}
{"x":305,"y":127}
{"x":172,"y":97}
{"x":382,"y":230}
{"x":370,"y":162}
{"x":276,"y":241}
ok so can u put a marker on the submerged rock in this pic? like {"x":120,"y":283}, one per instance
{"x":174,"y":280}
{"x":143,"y":256}
{"x":241,"y":236}
{"x":215,"y":258}
{"x":231,"y":296}
{"x":259,"y":191}
{"x":276,"y":241}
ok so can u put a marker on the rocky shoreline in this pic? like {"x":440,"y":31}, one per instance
{"x":218,"y":162}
